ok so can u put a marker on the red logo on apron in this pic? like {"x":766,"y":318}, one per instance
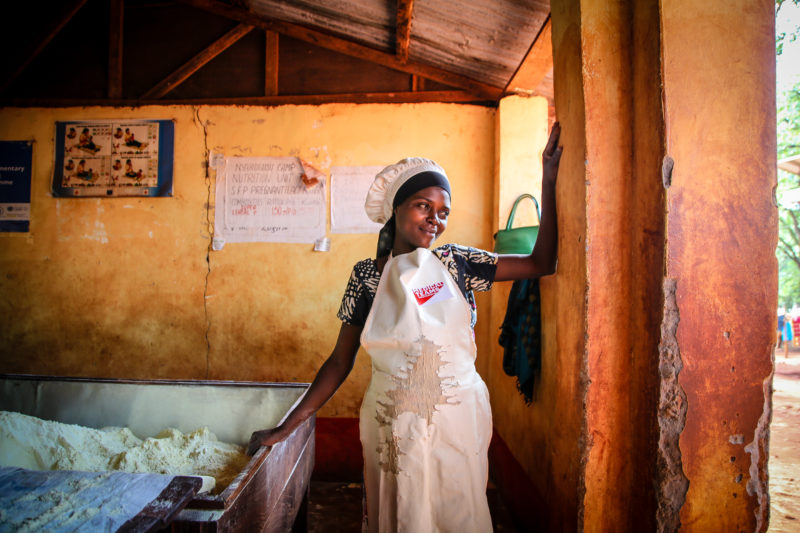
{"x":424,"y":294}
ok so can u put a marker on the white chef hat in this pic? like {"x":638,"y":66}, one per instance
{"x":383,"y":196}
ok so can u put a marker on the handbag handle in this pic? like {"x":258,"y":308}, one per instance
{"x":514,"y":209}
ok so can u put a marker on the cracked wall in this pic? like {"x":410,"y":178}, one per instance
{"x":129,"y":288}
{"x":129,"y":304}
{"x":672,"y":483}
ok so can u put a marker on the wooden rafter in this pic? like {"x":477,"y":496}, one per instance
{"x":197,"y":62}
{"x":115,"y":28}
{"x":346,"y":47}
{"x":69,"y":12}
{"x":537,"y":63}
{"x":271,"y":64}
{"x":307,"y":99}
{"x":405,"y":10}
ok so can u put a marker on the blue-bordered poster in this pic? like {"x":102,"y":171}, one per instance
{"x":114,"y":158}
{"x":16,"y":158}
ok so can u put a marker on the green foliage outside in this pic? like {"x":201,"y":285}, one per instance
{"x":788,"y":130}
{"x":782,"y":37}
{"x":789,"y":224}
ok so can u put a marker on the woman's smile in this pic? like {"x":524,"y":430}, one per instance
{"x":420,"y":219}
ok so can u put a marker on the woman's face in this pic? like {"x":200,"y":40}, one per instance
{"x":420,"y":219}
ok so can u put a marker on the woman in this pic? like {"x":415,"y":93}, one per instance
{"x":425,"y":420}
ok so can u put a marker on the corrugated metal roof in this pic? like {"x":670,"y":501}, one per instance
{"x":482,"y":39}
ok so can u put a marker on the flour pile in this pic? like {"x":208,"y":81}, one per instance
{"x":35,"y":444}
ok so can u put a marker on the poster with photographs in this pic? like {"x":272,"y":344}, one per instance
{"x":113,"y":158}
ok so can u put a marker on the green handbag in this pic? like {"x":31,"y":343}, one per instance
{"x":517,"y":240}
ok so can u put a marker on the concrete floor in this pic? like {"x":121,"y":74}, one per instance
{"x":336,"y":507}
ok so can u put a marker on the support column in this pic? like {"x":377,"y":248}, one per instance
{"x":666,"y":183}
{"x":719,"y":102}
{"x":624,"y":257}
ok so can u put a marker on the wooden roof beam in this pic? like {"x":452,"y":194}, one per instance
{"x":305,"y":99}
{"x":271,"y":64}
{"x":346,"y":47}
{"x":67,"y":15}
{"x":197,"y":62}
{"x":537,"y":64}
{"x":405,"y":10}
{"x":115,"y":28}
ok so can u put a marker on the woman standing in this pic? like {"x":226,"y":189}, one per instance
{"x":425,"y":421}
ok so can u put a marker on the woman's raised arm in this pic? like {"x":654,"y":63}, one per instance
{"x":330,"y":376}
{"x":542,"y":260}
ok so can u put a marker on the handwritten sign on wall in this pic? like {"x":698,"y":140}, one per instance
{"x":349,"y":186}
{"x":263,"y":199}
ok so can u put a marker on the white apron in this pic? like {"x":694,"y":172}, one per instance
{"x":425,"y":421}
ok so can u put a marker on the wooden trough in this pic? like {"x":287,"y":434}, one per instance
{"x":270,"y":494}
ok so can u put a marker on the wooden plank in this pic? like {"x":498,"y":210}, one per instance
{"x":271,"y":64}
{"x":405,"y":10}
{"x":284,"y":513}
{"x":538,"y":63}
{"x":349,"y":48}
{"x":115,"y":32}
{"x":197,"y":62}
{"x":58,"y":26}
{"x":402,"y":97}
{"x":159,"y":513}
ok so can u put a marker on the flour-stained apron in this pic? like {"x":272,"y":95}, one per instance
{"x":425,"y":420}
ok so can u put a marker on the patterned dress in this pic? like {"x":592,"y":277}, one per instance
{"x":425,"y":421}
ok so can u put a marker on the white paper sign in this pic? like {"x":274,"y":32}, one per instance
{"x":349,"y":186}
{"x":263,"y":199}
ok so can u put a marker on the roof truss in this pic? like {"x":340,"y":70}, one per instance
{"x":536,"y":66}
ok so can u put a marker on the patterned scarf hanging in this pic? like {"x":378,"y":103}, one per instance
{"x":521,"y":336}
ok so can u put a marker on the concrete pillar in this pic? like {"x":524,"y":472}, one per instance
{"x":667,"y":280}
{"x":721,"y":273}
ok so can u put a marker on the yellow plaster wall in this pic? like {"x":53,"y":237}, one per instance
{"x":122,"y":287}
{"x":521,"y":135}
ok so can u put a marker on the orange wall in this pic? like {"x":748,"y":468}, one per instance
{"x":625,"y":242}
{"x":122,"y":287}
{"x":721,"y":229}
{"x":674,"y":358}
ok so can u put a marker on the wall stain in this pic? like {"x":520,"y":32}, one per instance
{"x":667,"y":164}
{"x":672,"y":483}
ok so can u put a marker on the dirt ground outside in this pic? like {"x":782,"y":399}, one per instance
{"x":784,"y":444}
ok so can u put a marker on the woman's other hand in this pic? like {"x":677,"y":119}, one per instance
{"x":265,"y":437}
{"x":542,"y":261}
{"x":551,"y":156}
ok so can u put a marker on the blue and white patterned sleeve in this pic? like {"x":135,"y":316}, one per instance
{"x":480,"y":267}
{"x":472,"y":268}
{"x":359,"y":293}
